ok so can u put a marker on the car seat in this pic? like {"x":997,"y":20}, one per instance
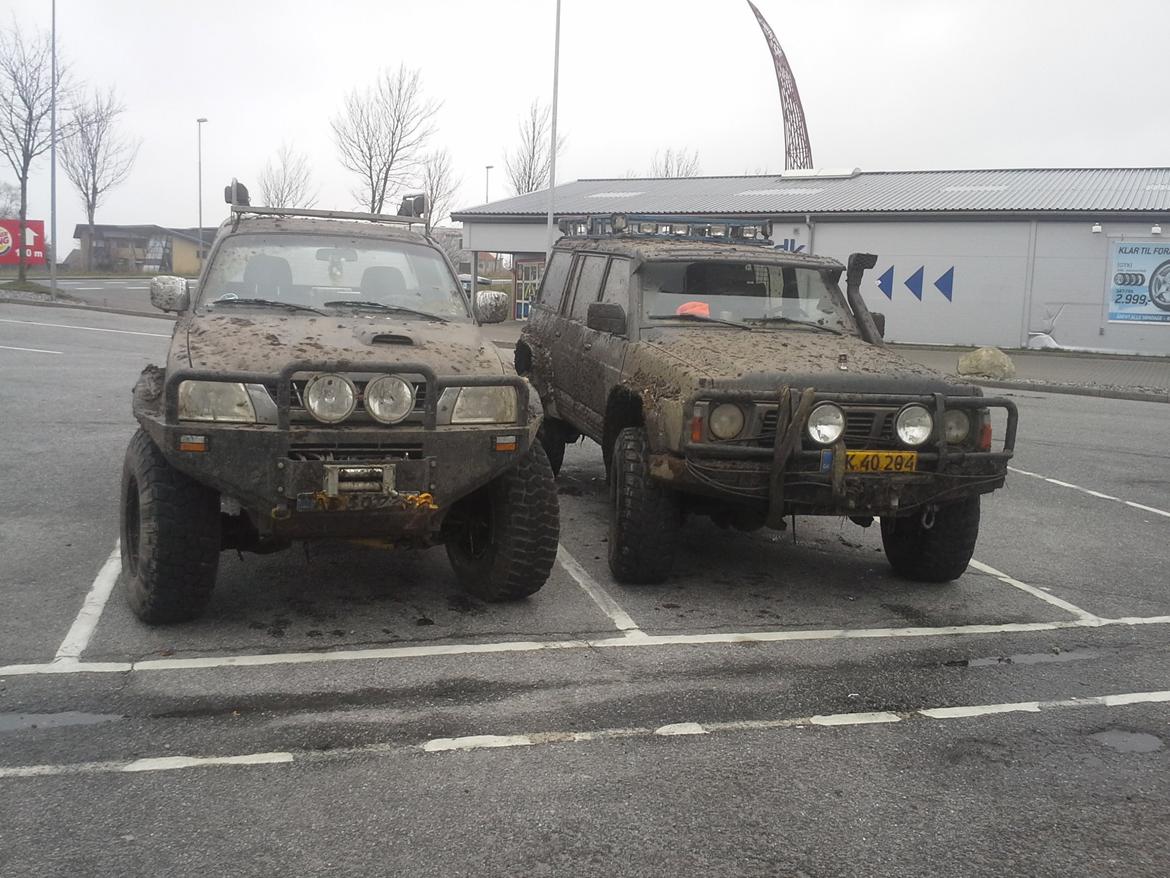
{"x":266,"y":276}
{"x":383,"y":283}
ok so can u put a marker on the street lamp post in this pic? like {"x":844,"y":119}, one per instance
{"x":487,"y":183}
{"x":199,"y":173}
{"x":552,"y":162}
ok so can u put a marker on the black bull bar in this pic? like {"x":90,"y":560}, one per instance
{"x":794,"y":406}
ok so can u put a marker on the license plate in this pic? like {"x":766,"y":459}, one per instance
{"x":881,"y":461}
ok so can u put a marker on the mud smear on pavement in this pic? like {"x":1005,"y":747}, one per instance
{"x":1034,"y":658}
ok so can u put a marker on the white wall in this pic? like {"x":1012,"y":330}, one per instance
{"x":990,"y":268}
{"x":1071,"y":279}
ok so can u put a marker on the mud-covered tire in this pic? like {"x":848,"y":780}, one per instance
{"x":170,"y":537}
{"x":502,"y":540}
{"x":552,"y":439}
{"x":645,"y":517}
{"x":938,"y":554}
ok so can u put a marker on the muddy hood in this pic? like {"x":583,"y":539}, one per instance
{"x":766,"y":359}
{"x":263,"y":343}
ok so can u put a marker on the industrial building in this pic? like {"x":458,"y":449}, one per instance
{"x":993,"y":257}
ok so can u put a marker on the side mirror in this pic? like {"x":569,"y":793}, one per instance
{"x":169,"y":293}
{"x":879,"y":320}
{"x":491,"y":306}
{"x":413,"y":205}
{"x":606,"y":317}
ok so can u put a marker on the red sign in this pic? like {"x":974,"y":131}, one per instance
{"x":34,"y":242}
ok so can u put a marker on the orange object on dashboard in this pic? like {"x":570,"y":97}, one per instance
{"x":700,"y":308}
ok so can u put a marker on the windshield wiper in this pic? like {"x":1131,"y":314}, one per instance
{"x":700,"y":318}
{"x":794,"y":321}
{"x":264,"y":303}
{"x":356,"y":305}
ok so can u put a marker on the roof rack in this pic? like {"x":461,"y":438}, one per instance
{"x":737,"y":230}
{"x":239,"y":209}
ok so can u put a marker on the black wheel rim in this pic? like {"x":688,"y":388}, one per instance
{"x":133,"y":528}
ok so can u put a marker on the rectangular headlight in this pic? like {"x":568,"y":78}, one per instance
{"x":494,"y":404}
{"x":215,"y":401}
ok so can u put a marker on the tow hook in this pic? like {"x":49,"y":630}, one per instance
{"x":928,"y":517}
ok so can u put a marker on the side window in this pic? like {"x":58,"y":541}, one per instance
{"x":552,"y":287}
{"x":617,"y":283}
{"x":589,"y":278}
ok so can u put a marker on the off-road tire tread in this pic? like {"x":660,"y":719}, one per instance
{"x":646,"y":517}
{"x":178,"y":566}
{"x":528,"y":531}
{"x":940,"y":554}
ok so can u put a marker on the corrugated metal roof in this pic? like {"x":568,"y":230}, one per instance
{"x":1074,"y":190}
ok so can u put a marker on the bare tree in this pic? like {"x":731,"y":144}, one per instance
{"x":9,"y":201}
{"x":95,"y":156}
{"x":26,"y":76}
{"x":528,"y":164}
{"x":288,"y":182}
{"x":675,"y":163}
{"x":438,"y":182}
{"x":381,"y":132}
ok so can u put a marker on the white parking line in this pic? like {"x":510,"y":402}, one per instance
{"x":1035,"y":592}
{"x":645,"y":641}
{"x":601,"y":597}
{"x":5,"y":347}
{"x":1091,"y":493}
{"x":83,"y":626}
{"x":671,"y":730}
{"x":85,"y":328}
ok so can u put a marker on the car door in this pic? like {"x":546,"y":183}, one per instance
{"x":573,"y":365}
{"x":605,"y":352}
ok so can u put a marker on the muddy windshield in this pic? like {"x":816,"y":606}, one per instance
{"x":756,"y":294}
{"x":331,"y":274}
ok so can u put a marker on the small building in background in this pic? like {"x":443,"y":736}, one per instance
{"x":148,"y":249}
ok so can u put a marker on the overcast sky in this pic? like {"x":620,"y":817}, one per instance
{"x":894,"y":84}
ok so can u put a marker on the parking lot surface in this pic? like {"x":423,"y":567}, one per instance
{"x":781,"y":705}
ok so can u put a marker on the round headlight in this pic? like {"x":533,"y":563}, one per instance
{"x":956,"y":426}
{"x":389,"y":399}
{"x":826,"y":423}
{"x":914,"y":425}
{"x":330,"y":398}
{"x":725,"y":421}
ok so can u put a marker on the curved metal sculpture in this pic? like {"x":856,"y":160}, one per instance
{"x":797,"y":150}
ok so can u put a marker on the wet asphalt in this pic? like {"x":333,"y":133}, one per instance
{"x":764,"y":784}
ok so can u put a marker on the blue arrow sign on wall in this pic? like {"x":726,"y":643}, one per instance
{"x":914,"y":282}
{"x":946,"y":283}
{"x":886,"y":282}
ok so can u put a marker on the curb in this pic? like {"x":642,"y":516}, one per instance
{"x":1073,"y":390}
{"x":81,"y":306}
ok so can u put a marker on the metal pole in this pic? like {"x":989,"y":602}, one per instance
{"x":552,"y":166}
{"x":199,"y":171}
{"x":53,"y":163}
{"x":487,"y":183}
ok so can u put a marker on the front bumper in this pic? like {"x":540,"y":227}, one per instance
{"x":344,"y":480}
{"x":788,"y":478}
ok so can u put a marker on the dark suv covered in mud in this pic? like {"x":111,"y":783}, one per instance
{"x":327,"y":378}
{"x":724,"y":377}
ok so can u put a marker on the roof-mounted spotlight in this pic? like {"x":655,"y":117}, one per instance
{"x":1155,"y":229}
{"x":1096,"y":228}
{"x":618,"y":222}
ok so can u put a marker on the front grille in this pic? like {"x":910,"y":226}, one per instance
{"x":871,"y":428}
{"x":299,"y":415}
